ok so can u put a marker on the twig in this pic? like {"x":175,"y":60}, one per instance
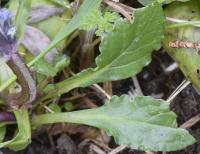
{"x":48,"y":109}
{"x":177,"y":91}
{"x":108,"y":87}
{"x":123,"y":147}
{"x":182,"y":22}
{"x":137,"y":86}
{"x":94,"y":43}
{"x":96,"y":86}
{"x":101,"y":144}
{"x":97,"y":149}
{"x":74,"y":97}
{"x":176,"y":20}
{"x":127,"y":8}
{"x":191,"y":122}
{"x":118,"y":149}
{"x":119,"y":8}
{"x":127,"y":11}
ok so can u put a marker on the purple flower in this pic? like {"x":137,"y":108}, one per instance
{"x":8,"y":40}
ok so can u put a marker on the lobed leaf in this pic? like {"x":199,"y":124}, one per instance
{"x":142,"y":123}
{"x":124,"y":51}
{"x":102,"y":23}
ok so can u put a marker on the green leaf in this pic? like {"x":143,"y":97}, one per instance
{"x":61,"y":3}
{"x":23,"y":137}
{"x":188,"y":59}
{"x":55,"y":107}
{"x":22,"y":17}
{"x":68,"y":106}
{"x":45,"y":68}
{"x":91,"y":20}
{"x":49,"y":87}
{"x":60,"y":62}
{"x":147,"y":2}
{"x":124,"y":51}
{"x":2,"y":132}
{"x":142,"y":123}
{"x":103,"y":23}
{"x":75,"y":23}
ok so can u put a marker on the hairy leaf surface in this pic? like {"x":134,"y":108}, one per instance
{"x":142,"y":123}
{"x":125,"y":51}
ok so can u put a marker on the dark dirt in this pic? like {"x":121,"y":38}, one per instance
{"x":154,"y":81}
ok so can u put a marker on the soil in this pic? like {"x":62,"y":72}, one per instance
{"x":154,"y":81}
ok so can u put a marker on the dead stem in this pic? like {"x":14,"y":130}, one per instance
{"x":191,"y":122}
{"x":177,"y":91}
{"x":185,"y":44}
{"x":101,"y":90}
{"x":118,"y":7}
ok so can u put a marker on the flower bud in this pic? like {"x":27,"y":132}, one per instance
{"x":8,"y":40}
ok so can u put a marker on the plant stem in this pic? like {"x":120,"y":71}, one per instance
{"x":184,"y":24}
{"x":77,"y":117}
{"x":68,"y":85}
{"x":28,"y":92}
{"x":40,"y":56}
{"x":23,"y":138}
